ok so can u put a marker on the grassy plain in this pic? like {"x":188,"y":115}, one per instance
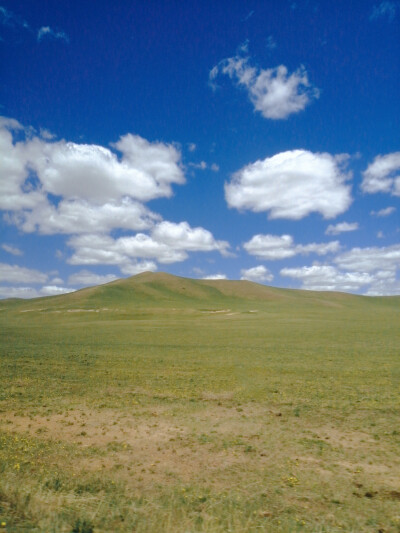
{"x":159,"y":404}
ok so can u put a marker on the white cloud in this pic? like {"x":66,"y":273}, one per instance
{"x":384,"y":284}
{"x":215,"y":276}
{"x":86,"y":171}
{"x":80,"y":216}
{"x":192,"y":147}
{"x":96,"y":250}
{"x":322,"y":248}
{"x":182,"y":237}
{"x":10,"y":124}
{"x":12,"y":249}
{"x":91,"y":172}
{"x":292,"y":185}
{"x":46,"y":134}
{"x":373,"y":271}
{"x":156,"y":162}
{"x":202,"y":165}
{"x":257,"y":274}
{"x":271,"y":247}
{"x":15,"y":192}
{"x":370,"y":259}
{"x":341,"y":228}
{"x":384,"y":212}
{"x":275,"y":247}
{"x":146,"y":247}
{"x":133,"y":268}
{"x":18,"y":292}
{"x":380,"y":175}
{"x":87,"y":278}
{"x":327,"y":278}
{"x":385,"y":9}
{"x":379,"y":279}
{"x":274,"y":92}
{"x":17,"y":274}
{"x":54,"y":290}
{"x":168,"y":243}
{"x":30,"y":292}
{"x":49,"y":33}
{"x":64,"y":187}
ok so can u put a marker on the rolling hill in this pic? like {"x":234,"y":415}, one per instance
{"x":160,"y":290}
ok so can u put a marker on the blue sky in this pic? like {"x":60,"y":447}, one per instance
{"x":242,"y":140}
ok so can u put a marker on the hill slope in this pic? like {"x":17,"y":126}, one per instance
{"x":159,"y":290}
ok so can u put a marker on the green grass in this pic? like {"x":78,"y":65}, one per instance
{"x":161,"y":404}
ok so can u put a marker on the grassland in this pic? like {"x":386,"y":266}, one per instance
{"x":159,"y":404}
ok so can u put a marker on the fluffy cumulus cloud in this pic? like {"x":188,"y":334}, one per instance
{"x":182,"y":237}
{"x":215,"y":276}
{"x":275,"y":247}
{"x":88,"y":191}
{"x":167,"y":243}
{"x":258,"y":274}
{"x":385,"y":283}
{"x":328,"y":278}
{"x":81,"y":216}
{"x":271,"y":247}
{"x":18,"y":282}
{"x":87,"y":278}
{"x":342,"y":227}
{"x":16,"y":192}
{"x":64,"y":187}
{"x":292,"y":185}
{"x":136,"y":267}
{"x":382,"y":175}
{"x":274,"y":92}
{"x":32,"y":292}
{"x":372,"y":271}
{"x":87,"y":171}
{"x":370,"y":259}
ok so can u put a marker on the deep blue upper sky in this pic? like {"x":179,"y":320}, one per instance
{"x":239,"y":139}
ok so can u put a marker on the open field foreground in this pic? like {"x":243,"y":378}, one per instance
{"x":162,"y":404}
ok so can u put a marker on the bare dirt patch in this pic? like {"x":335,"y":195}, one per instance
{"x":347,"y":439}
{"x":141,"y":450}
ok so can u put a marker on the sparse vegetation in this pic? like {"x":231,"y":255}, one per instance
{"x":136,"y":406}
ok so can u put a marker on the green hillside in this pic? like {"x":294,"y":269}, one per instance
{"x":161,"y":290}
